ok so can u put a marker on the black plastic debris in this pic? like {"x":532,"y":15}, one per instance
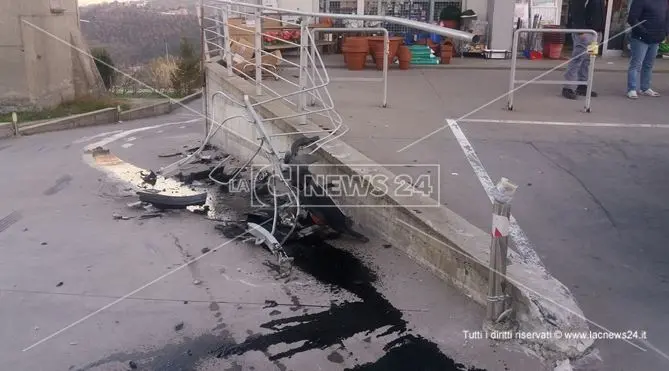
{"x":132,"y":365}
{"x":270,"y":304}
{"x":150,"y":216}
{"x":179,"y":326}
{"x":59,"y":284}
{"x":163,"y":201}
{"x":167,"y":155}
{"x":150,"y":178}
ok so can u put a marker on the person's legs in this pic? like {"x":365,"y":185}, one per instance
{"x":647,"y":66}
{"x":584,"y":69}
{"x":574,"y":66}
{"x":638,"y":50}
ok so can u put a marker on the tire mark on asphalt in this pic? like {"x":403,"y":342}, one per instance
{"x":61,"y":183}
{"x":9,"y":220}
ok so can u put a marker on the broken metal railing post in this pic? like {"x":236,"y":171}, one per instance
{"x":514,"y":60}
{"x":223,"y":37}
{"x":304,"y":44}
{"x":258,"y":50}
{"x":497,"y":297}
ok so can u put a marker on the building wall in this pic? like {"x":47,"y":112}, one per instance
{"x":38,"y":68}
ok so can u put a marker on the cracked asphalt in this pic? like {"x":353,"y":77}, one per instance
{"x":64,"y":258}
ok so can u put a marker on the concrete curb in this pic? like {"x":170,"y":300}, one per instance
{"x":436,"y":237}
{"x":99,"y":117}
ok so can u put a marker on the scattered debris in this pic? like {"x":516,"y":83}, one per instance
{"x":136,"y":205}
{"x":274,"y":313}
{"x":185,"y":301}
{"x":232,"y":230}
{"x":44,"y":244}
{"x":205,"y":250}
{"x":201,"y":210}
{"x":25,"y":229}
{"x":59,"y":284}
{"x":150,"y":178}
{"x":270,"y":304}
{"x":454,"y":174}
{"x":36,"y":328}
{"x":189,"y":352}
{"x":417,"y":211}
{"x":120,"y":217}
{"x":162,"y":201}
{"x":98,"y":151}
{"x":196,"y":282}
{"x":529,"y":184}
{"x":171,"y":155}
{"x":150,"y":215}
{"x":179,"y":326}
{"x":73,"y":343}
{"x":133,"y":365}
{"x":387,"y":245}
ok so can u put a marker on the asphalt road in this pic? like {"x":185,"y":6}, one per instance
{"x":82,"y":291}
{"x":593,"y":199}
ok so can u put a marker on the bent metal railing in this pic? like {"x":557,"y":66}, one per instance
{"x":309,"y":94}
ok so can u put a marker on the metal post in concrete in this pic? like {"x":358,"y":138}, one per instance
{"x":497,"y":297}
{"x":258,"y":50}
{"x":15,"y":123}
{"x":303,"y":78}
{"x":226,"y":44}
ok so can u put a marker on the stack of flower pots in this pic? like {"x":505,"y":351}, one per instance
{"x":553,"y":43}
{"x":376,"y":49}
{"x":404,"y":56}
{"x":446,"y":52}
{"x":355,"y":52}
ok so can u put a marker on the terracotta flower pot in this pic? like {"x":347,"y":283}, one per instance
{"x":446,"y":58}
{"x":376,"y":43}
{"x":404,"y":53}
{"x":404,"y":65}
{"x":355,"y":53}
{"x":355,"y":61}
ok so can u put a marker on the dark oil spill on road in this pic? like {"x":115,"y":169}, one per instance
{"x":342,"y":270}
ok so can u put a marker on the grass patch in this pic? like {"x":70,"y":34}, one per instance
{"x":66,"y":109}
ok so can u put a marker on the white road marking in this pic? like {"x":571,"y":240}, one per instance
{"x":123,"y":134}
{"x":562,"y":123}
{"x":520,"y":240}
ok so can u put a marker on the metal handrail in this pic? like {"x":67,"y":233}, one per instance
{"x":514,"y":59}
{"x":443,"y":31}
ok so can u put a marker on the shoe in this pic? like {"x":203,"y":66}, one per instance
{"x":569,"y":93}
{"x":632,"y":94}
{"x":650,"y":93}
{"x":583,"y":90}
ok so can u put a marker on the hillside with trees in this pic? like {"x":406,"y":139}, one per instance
{"x":136,"y":33}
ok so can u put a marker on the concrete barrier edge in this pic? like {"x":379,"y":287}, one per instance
{"x":440,"y":240}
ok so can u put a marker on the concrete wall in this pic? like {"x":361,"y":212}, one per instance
{"x":435,"y":237}
{"x":39,"y":68}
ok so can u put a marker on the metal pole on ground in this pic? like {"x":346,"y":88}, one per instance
{"x":497,"y":307}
